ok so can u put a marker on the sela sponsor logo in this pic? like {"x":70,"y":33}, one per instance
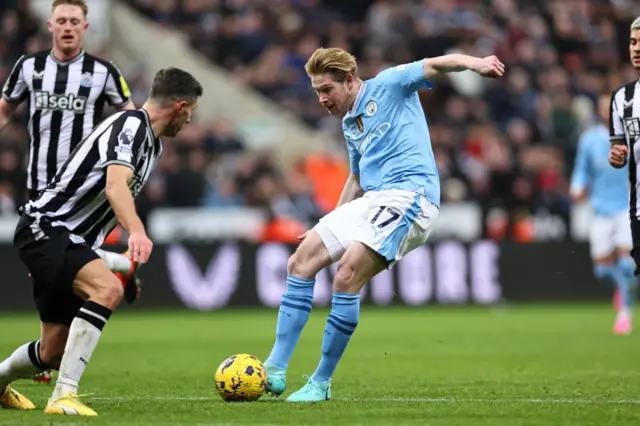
{"x":633,"y":127}
{"x":51,"y":101}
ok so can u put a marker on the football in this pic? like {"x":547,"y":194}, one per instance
{"x":241,"y":378}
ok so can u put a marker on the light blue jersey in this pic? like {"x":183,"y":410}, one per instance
{"x":608,"y":187}
{"x":387,"y":134}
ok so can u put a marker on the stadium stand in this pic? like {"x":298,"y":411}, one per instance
{"x":507,"y":145}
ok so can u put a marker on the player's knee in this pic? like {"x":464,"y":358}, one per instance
{"x":300,"y":266}
{"x":109,"y":293}
{"x":345,"y":280}
{"x":307,"y":260}
{"x":603,"y":271}
{"x":626,"y":265}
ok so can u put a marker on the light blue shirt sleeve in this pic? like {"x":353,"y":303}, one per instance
{"x":354,"y":159}
{"x":580,"y":175}
{"x":407,"y":78}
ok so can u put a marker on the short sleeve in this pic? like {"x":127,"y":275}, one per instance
{"x":406,"y":78}
{"x":15,"y":87}
{"x":121,"y":144}
{"x":616,"y":125}
{"x":116,"y":88}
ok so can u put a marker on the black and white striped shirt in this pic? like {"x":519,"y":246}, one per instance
{"x":66,"y":101}
{"x":624,"y":127}
{"x":76,"y":198}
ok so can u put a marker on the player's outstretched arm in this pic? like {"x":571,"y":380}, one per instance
{"x":121,"y":200}
{"x":487,"y":67}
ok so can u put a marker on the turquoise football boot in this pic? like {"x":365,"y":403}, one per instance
{"x":276,"y":380}
{"x":312,"y":392}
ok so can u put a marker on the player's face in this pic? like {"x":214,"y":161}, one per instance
{"x":183,"y":112}
{"x":634,"y":48}
{"x":333,"y":95}
{"x":68,"y":25}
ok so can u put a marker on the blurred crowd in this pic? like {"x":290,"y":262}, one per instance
{"x":506,"y":144}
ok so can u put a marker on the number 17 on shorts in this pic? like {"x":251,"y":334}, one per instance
{"x":392,"y":222}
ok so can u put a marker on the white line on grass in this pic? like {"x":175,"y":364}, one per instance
{"x":556,"y":401}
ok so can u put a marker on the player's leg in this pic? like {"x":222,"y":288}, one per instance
{"x":41,"y":355}
{"x":397,"y":222}
{"x":101,"y":292}
{"x":125,"y":270}
{"x":626,"y":267}
{"x":323,"y":245}
{"x":53,"y":348}
{"x":602,"y":247}
{"x":358,"y":265}
{"x":42,"y":257}
{"x":116,"y":262}
{"x":309,"y":258}
{"x":27,"y":360}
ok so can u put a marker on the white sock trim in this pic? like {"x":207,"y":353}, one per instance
{"x":93,"y":314}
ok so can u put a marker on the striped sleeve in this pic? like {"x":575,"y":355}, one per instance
{"x":15,"y":86}
{"x":116,"y":88}
{"x":616,"y":125}
{"x":121,"y":144}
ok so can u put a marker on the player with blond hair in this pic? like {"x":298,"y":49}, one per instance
{"x":387,"y":207}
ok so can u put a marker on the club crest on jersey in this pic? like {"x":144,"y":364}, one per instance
{"x":360,"y":124}
{"x":86,"y":80}
{"x":371,"y":108}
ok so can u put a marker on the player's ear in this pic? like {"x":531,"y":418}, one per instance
{"x":180,"y":106}
{"x":349,"y":80}
{"x":86,"y":26}
{"x":50,"y":25}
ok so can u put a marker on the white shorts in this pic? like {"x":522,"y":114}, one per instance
{"x":392,"y":222}
{"x":609,"y":233}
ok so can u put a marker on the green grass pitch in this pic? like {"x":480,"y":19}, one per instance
{"x":554,"y":365}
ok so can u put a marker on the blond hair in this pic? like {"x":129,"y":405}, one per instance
{"x":334,"y":61}
{"x":81,"y":3}
{"x":635,"y":25}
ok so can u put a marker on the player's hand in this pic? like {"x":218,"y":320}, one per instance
{"x":140,"y":247}
{"x":618,"y":155}
{"x":489,"y":67}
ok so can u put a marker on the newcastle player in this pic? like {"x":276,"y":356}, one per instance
{"x":66,"y":89}
{"x":58,"y":232}
{"x":624,"y":131}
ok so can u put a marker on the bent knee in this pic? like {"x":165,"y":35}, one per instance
{"x":108,"y":292}
{"x":309,"y":258}
{"x":302,"y":266}
{"x":114,"y":293}
{"x":345,"y":280}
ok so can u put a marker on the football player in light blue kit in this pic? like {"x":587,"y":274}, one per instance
{"x":610,"y":231}
{"x":387,"y":208}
